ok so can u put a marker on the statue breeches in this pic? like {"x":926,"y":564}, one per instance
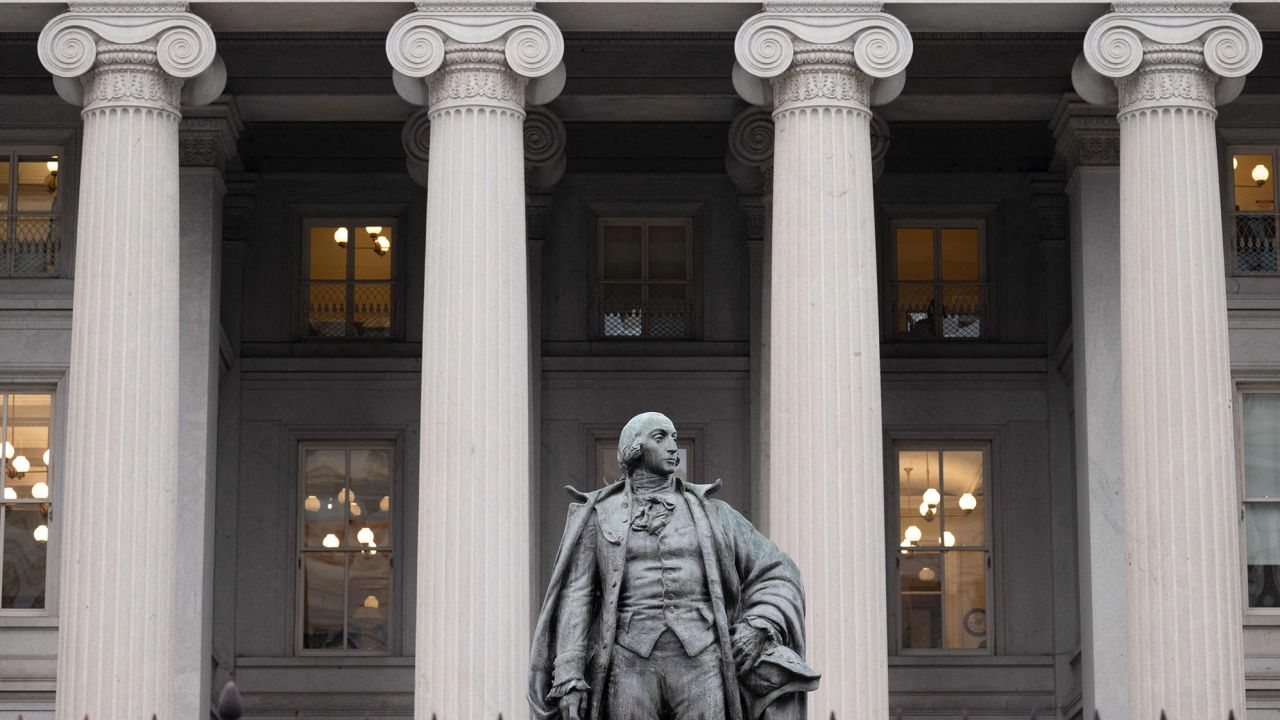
{"x":668,"y":683}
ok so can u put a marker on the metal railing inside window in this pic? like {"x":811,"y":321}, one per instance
{"x":930,"y":310}
{"x":657,"y":309}
{"x":30,"y":220}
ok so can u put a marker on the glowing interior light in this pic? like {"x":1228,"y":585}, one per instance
{"x":21,"y":464}
{"x":355,"y":509}
{"x":925,"y":509}
{"x":1235,"y":163}
{"x":913,"y":534}
{"x":1260,"y":173}
{"x":373,"y":230}
{"x":948,"y":539}
{"x":10,"y":494}
{"x":932,"y":497}
{"x":968,"y":502}
{"x":340,"y":237}
{"x":927,"y":574}
{"x":45,"y":457}
{"x":342,"y":495}
{"x":365,"y":536}
{"x":40,"y":490}
{"x":906,"y":546}
{"x":330,"y":541}
{"x":385,"y":503}
{"x":371,"y":602}
{"x":8,"y":451}
{"x":312,"y":503}
{"x":52,"y":165}
{"x":41,"y":533}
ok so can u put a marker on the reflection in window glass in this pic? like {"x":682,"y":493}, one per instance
{"x":346,"y":546}
{"x":942,"y":551}
{"x":1261,"y":435}
{"x":26,"y":486}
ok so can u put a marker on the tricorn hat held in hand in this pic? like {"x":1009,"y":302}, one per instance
{"x":778,"y":671}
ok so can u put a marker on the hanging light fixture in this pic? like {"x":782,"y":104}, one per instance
{"x":311,"y":504}
{"x":931,"y":498}
{"x":906,"y":547}
{"x":8,"y":450}
{"x":51,"y":181}
{"x":10,"y":494}
{"x":355,"y":508}
{"x":365,"y":536}
{"x":381,"y":245}
{"x":340,"y":237}
{"x":927,"y":574}
{"x":913,"y":534}
{"x":41,"y":533}
{"x":1260,"y":174}
{"x":968,"y":503}
{"x":948,"y":539}
{"x":330,"y":541}
{"x":40,"y":490}
{"x":45,"y":457}
{"x":385,"y":503}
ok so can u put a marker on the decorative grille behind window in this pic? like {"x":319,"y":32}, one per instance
{"x":1253,"y":218}
{"x":349,"y":290}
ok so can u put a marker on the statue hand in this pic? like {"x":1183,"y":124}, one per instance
{"x":748,"y":642}
{"x":573,"y":705}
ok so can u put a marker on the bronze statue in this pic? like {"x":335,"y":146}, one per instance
{"x":665,"y":604}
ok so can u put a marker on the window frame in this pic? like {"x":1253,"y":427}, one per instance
{"x":11,"y":153}
{"x":1252,"y":615}
{"x":349,"y":283}
{"x":937,"y":224}
{"x":300,"y":550}
{"x":894,"y":532}
{"x":54,"y":387}
{"x":689,"y":282}
{"x":1229,"y":204}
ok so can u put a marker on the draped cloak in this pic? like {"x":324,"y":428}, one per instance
{"x":747,"y":575}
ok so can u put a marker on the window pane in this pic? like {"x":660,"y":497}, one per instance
{"x":373,"y":252}
{"x":323,"y":575}
{"x":325,"y":494}
{"x":1262,"y":543}
{"x":370,"y":483}
{"x":4,"y":184}
{"x":26,"y":443}
{"x":920,"y":582}
{"x":369,"y":601}
{"x":966,"y":597}
{"x":26,"y":536}
{"x":1261,"y":445}
{"x":620,"y":308}
{"x":960,"y":260}
{"x":917,"y":473}
{"x":621,"y":252}
{"x":915,"y":253}
{"x":371,"y":314}
{"x":913,"y":314}
{"x":328,"y":257}
{"x":962,"y":310}
{"x":667,"y":252}
{"x":964,"y":498}
{"x":1254,"y":183}
{"x":37,"y":183}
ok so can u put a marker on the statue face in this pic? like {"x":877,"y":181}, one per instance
{"x":658,"y":452}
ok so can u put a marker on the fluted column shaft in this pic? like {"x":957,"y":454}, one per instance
{"x":824,"y":496}
{"x":118,"y":633}
{"x":474,"y":584}
{"x":1184,"y":604}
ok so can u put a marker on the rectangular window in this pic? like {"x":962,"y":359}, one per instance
{"x":943,"y":550}
{"x":644,"y":286}
{"x":24,"y":437}
{"x":939,"y":288}
{"x":345,"y":548}
{"x":1261,"y":444}
{"x":1253,"y":215}
{"x":349,"y":285}
{"x":30,"y":214}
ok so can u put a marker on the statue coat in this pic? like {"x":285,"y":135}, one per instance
{"x":746,"y":575}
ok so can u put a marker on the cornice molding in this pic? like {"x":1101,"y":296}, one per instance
{"x":1086,"y":135}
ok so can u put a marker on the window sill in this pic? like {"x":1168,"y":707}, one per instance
{"x":1262,"y":618}
{"x":335,"y":660}
{"x":9,"y":618}
{"x":942,"y":658}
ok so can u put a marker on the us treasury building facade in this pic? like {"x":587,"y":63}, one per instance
{"x":309,"y":310}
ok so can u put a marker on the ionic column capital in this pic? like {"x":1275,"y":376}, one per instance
{"x":544,"y":149}
{"x":821,"y":52}
{"x":150,"y":55}
{"x":501,"y":54}
{"x":749,"y":161}
{"x":1162,"y":54}
{"x":1086,"y":135}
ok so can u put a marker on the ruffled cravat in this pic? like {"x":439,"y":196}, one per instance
{"x":652,"y":504}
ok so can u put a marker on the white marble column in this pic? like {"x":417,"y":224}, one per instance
{"x":119,"y":637}
{"x":1180,"y":510}
{"x":827,"y":63}
{"x":475,"y":584}
{"x":1088,"y":140}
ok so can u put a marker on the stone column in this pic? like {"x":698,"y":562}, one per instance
{"x":825,"y":65}
{"x":1171,"y":69}
{"x":207,"y":138}
{"x":119,"y":636}
{"x":475,"y":578}
{"x":749,"y":164}
{"x":1088,"y":141}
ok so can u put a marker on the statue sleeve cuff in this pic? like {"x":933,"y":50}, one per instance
{"x":569,"y":667}
{"x":559,"y":690}
{"x":761,"y":624}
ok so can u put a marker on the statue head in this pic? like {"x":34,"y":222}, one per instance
{"x":648,"y":441}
